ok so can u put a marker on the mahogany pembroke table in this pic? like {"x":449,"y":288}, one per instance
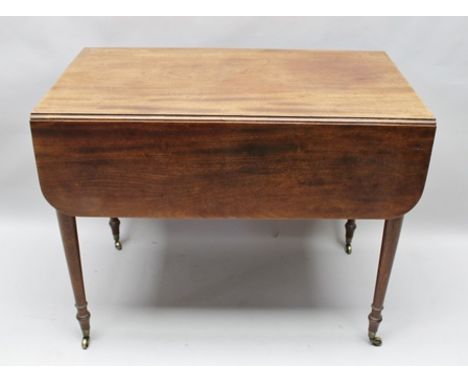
{"x":232,"y":133}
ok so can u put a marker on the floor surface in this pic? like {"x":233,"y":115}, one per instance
{"x":232,"y":293}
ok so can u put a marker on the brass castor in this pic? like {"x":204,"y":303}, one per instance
{"x":85,"y":342}
{"x":115,"y":227}
{"x":374,"y":339}
{"x":350,"y":228}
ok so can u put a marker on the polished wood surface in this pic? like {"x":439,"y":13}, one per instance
{"x":388,"y":249}
{"x":71,"y":247}
{"x":216,"y":170}
{"x":204,"y":133}
{"x":232,"y":84}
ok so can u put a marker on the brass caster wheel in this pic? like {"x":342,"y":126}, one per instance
{"x":348,"y":249}
{"x":375,"y":340}
{"x":118,"y":245}
{"x":85,"y":343}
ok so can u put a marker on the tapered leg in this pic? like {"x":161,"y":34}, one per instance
{"x":72,"y":253}
{"x":350,"y":227}
{"x":115,"y":227}
{"x":390,"y":237}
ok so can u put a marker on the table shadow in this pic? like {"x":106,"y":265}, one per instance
{"x":236,"y":263}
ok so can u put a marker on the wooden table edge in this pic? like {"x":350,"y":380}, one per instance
{"x":36,"y":117}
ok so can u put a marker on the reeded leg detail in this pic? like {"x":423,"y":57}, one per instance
{"x":390,"y":237}
{"x":350,"y":228}
{"x":72,"y":253}
{"x":115,"y":227}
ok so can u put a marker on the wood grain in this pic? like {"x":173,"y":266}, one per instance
{"x":217,"y":133}
{"x":231,"y":83}
{"x":71,"y":247}
{"x":388,"y":249}
{"x":244,"y":170}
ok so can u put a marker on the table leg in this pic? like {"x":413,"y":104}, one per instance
{"x":115,"y":227}
{"x":388,"y":248}
{"x":350,"y":227}
{"x":72,"y":253}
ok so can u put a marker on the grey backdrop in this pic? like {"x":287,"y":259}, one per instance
{"x":235,"y":292}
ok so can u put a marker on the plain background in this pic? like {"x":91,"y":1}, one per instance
{"x":235,"y":291}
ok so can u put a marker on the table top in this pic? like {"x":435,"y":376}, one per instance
{"x":136,"y":83}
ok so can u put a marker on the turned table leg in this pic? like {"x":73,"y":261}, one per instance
{"x":350,"y":226}
{"x":390,"y":237}
{"x":72,"y":253}
{"x":115,"y":227}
